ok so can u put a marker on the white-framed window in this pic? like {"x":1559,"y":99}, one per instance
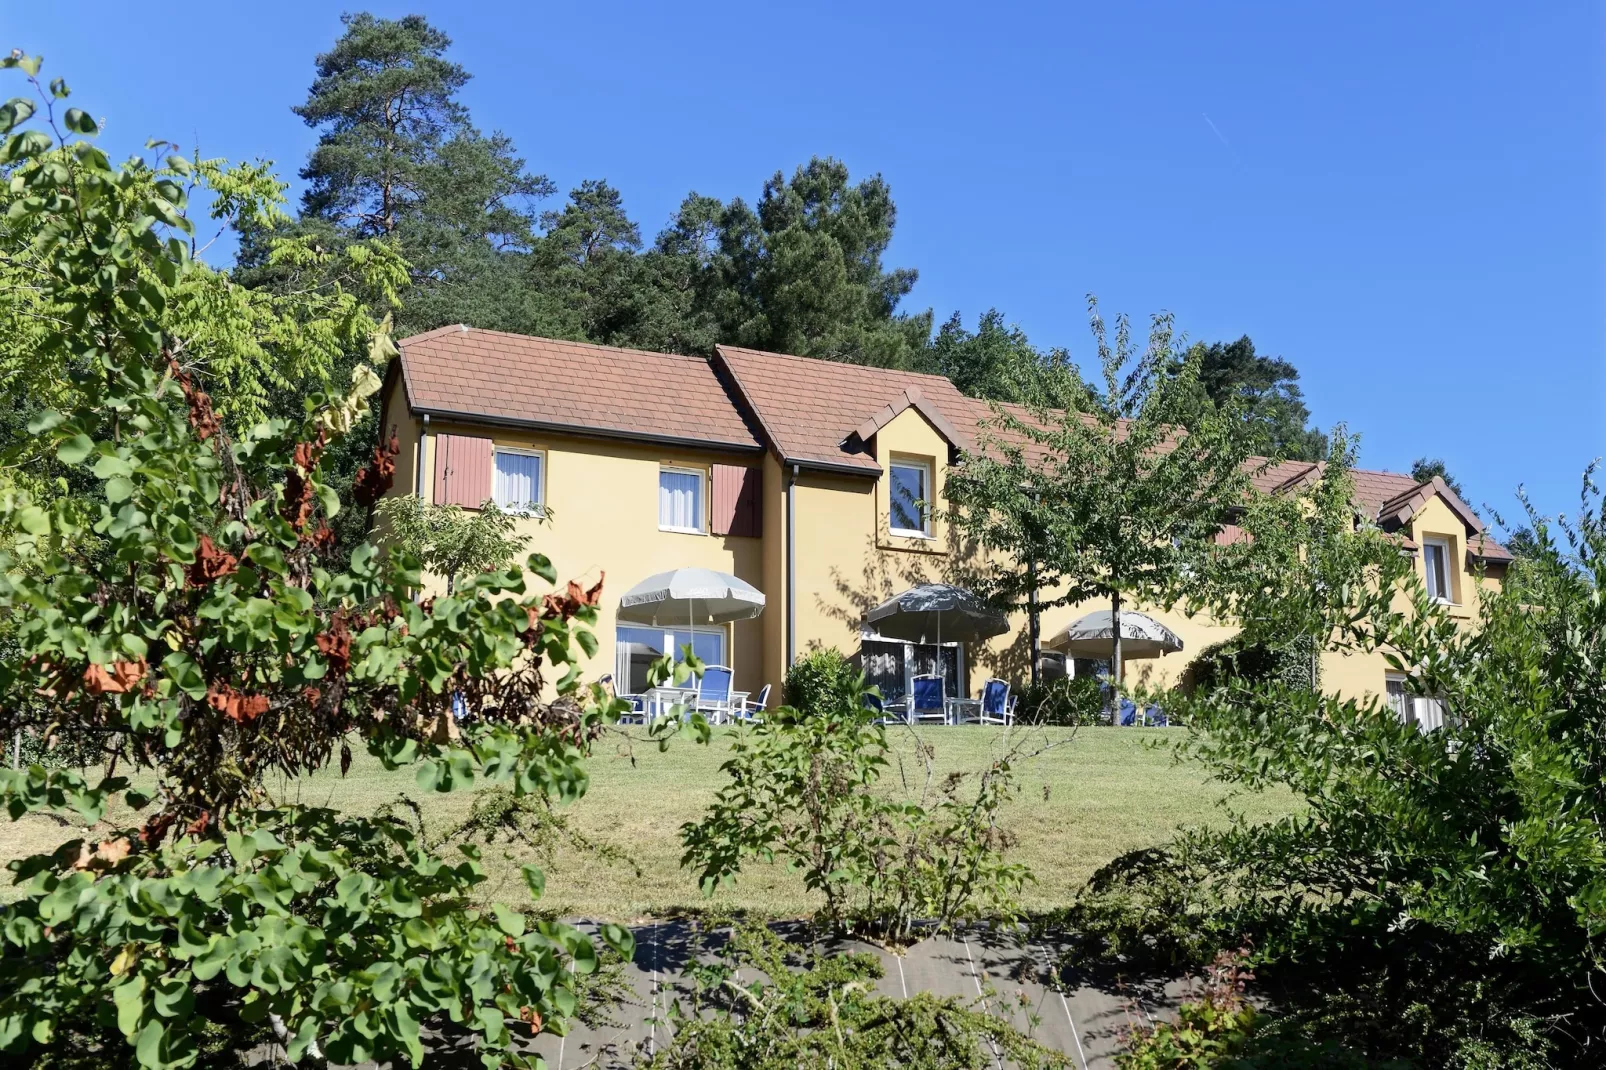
{"x":681,"y":499}
{"x":1436,"y":563}
{"x":909,"y":498}
{"x":1399,"y":700}
{"x":518,"y":480}
{"x":636,"y":647}
{"x":1428,"y":714}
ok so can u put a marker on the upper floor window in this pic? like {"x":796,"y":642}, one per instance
{"x":909,"y":506}
{"x":1436,"y":562}
{"x":680,"y":499}
{"x":518,"y":481}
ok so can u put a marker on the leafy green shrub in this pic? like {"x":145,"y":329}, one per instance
{"x":1152,"y":911}
{"x":189,"y":606}
{"x":1066,"y":701}
{"x":821,"y":679}
{"x":770,"y":1006}
{"x":804,"y":787}
{"x":1293,"y":662}
{"x":1209,"y":1031}
{"x":1439,"y":895}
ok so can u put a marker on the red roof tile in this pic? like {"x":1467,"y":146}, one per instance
{"x":811,"y":409}
{"x":538,"y":382}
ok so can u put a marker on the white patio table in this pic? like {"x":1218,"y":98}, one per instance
{"x":961,"y":709}
{"x":659,"y":700}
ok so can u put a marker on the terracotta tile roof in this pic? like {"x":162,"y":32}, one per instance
{"x":811,"y":409}
{"x":814,"y":412}
{"x":512,"y":379}
{"x":1392,"y":499}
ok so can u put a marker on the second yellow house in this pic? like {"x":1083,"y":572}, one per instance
{"x":796,"y":475}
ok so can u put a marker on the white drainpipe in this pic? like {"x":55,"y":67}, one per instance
{"x":791,"y":568}
{"x":423,"y":452}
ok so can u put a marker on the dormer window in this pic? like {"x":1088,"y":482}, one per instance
{"x":1436,"y":563}
{"x":909,"y":504}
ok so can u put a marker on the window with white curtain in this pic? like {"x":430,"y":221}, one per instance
{"x":1399,"y":700}
{"x":1436,"y":563}
{"x":680,"y":499}
{"x":518,"y":484}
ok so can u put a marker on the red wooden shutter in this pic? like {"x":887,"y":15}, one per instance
{"x":462,"y":470}
{"x":737,"y":500}
{"x":727,"y":489}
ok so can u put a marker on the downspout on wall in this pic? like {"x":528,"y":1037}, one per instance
{"x":423,"y":451}
{"x":791,"y":568}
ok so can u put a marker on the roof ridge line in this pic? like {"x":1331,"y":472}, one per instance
{"x":839,"y":363}
{"x":458,"y":328}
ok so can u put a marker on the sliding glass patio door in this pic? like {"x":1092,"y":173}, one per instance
{"x":892,"y":665}
{"x":637,"y":647}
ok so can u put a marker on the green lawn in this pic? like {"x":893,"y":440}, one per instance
{"x":1105,"y":791}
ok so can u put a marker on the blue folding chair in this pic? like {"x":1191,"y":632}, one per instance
{"x":1128,"y":715}
{"x":995,"y":705}
{"x":1155,"y":717}
{"x":750,"y":709}
{"x":929,"y":700}
{"x":714,"y":693}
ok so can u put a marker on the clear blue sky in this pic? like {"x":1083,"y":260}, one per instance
{"x":1407,"y":201}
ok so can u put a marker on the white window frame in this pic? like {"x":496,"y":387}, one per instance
{"x":621,"y":668}
{"x":702,"y":497}
{"x":540,"y":502}
{"x":1407,"y":714}
{"x":1443,"y":546}
{"x":927,"y":478}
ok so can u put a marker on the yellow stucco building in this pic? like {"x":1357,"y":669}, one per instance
{"x":795,"y":475}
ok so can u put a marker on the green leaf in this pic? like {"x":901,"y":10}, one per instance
{"x":621,"y":939}
{"x":130,"y":1000}
{"x":111,"y":465}
{"x":173,"y":997}
{"x":119,"y":489}
{"x":535,"y":879}
{"x":185,"y":674}
{"x":148,"y":1048}
{"x":78,"y":121}
{"x":508,"y":921}
{"x":329,"y":499}
{"x":305,"y":1035}
{"x":75,"y":449}
{"x":34,"y":521}
{"x":45,"y":421}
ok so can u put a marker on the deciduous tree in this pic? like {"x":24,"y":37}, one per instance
{"x":1109,"y":502}
{"x":180,"y":614}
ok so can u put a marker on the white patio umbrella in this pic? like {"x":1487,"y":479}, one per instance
{"x":694,"y":595}
{"x":1093,"y":637}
